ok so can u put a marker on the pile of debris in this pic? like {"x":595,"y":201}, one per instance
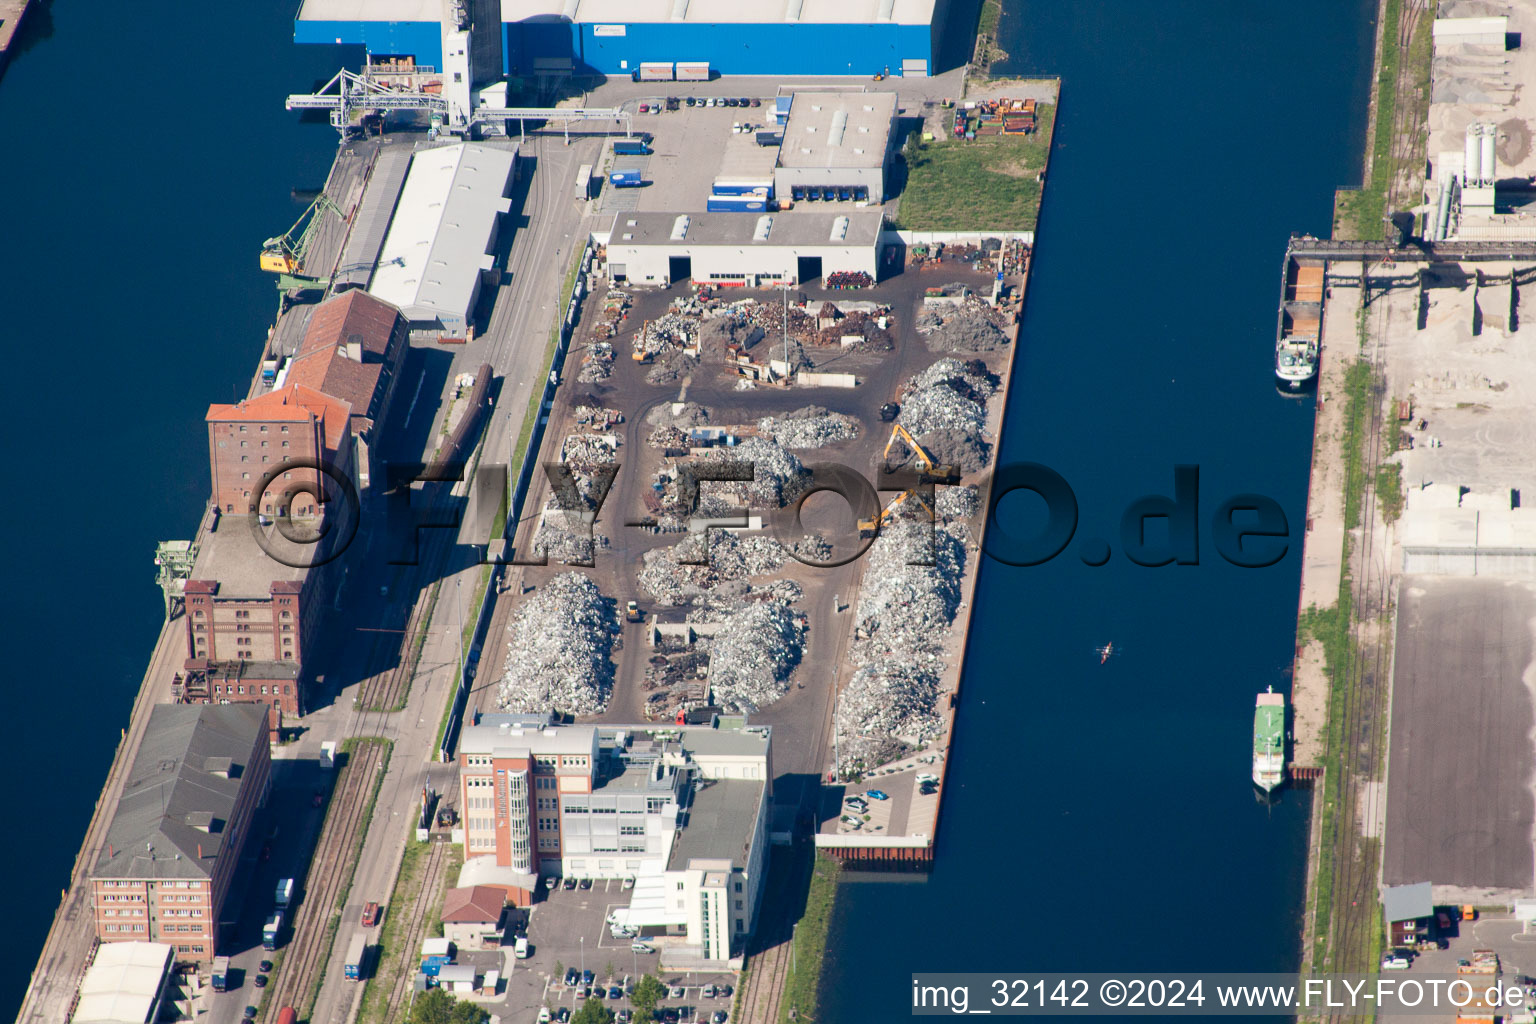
{"x":778,"y":479}
{"x":753,"y":653}
{"x":905,"y":612}
{"x":672,"y":577}
{"x":597,"y":363}
{"x":567,"y":536}
{"x":590,"y":449}
{"x":670,"y":332}
{"x":855,"y":330}
{"x":971,"y":327}
{"x":671,"y":368}
{"x":597,"y":417}
{"x":944,"y":407}
{"x":809,"y":427}
{"x":671,"y":582}
{"x":615,"y":312}
{"x":560,"y":650}
{"x":957,"y":503}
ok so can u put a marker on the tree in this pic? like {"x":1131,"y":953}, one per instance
{"x":435,"y":1006}
{"x":593,"y":1012}
{"x":559,"y":971}
{"x":648,"y":992}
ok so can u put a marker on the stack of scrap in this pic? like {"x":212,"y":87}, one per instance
{"x":615,"y":311}
{"x":669,"y":332}
{"x":590,"y":449}
{"x":779,"y":478}
{"x":753,"y":653}
{"x":559,"y":657}
{"x":905,"y":612}
{"x":597,"y":363}
{"x":809,"y":427}
{"x":597,"y":417}
{"x":973,"y":326}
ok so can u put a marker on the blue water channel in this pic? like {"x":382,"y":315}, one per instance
{"x":1101,"y":818}
{"x":1096,"y":818}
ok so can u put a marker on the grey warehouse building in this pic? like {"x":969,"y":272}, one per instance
{"x":741,"y":249}
{"x":835,"y":141}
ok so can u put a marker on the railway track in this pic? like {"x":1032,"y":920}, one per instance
{"x":765,"y":985}
{"x":310,"y":943}
{"x":432,"y":878}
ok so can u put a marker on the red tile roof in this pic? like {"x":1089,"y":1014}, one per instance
{"x":322,"y":361}
{"x":473,"y":904}
{"x":294,"y":403}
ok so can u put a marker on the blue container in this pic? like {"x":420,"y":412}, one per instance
{"x":736,"y":204}
{"x":625,"y":179}
{"x":631,"y":147}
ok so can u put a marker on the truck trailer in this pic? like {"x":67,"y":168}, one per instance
{"x":736,"y":204}
{"x":625,"y":179}
{"x":357,"y":953}
{"x":631,"y":147}
{"x":220,"y":973}
{"x":284,"y":893}
{"x":584,"y":183}
{"x":271,"y":931}
{"x":693,"y":71}
{"x":653,"y":72}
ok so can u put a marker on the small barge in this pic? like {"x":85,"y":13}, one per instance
{"x":1298,"y":335}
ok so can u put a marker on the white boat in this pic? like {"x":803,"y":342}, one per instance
{"x":1269,"y":740}
{"x":1298,"y":335}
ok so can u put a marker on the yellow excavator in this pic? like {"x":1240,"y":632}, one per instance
{"x":284,"y":255}
{"x":931,"y":472}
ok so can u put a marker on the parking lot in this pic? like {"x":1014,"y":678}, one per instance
{"x":568,"y":930}
{"x":1498,"y":932}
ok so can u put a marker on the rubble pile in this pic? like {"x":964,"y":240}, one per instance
{"x":615,"y":312}
{"x":667,"y":580}
{"x":960,"y":502}
{"x":669,"y":332}
{"x":736,"y":557}
{"x":809,"y":427}
{"x":971,"y":327}
{"x":671,"y":368}
{"x":753,"y":653}
{"x":597,"y":363}
{"x":945,"y":409}
{"x":872,"y":329}
{"x":597,"y":417}
{"x":778,"y":476}
{"x":813,"y":547}
{"x":560,"y":651}
{"x":904,"y":615}
{"x":590,"y":449}
{"x":566,"y":537}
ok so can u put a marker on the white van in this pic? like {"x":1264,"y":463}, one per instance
{"x":520,"y":948}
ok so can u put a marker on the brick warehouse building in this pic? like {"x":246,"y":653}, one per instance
{"x":173,"y":845}
{"x":249,"y":439}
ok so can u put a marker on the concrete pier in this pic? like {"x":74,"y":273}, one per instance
{"x":11,"y":14}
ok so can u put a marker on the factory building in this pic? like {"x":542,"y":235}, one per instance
{"x":442,"y":237}
{"x":682,"y":811}
{"x":613,"y":37}
{"x":835,"y":146}
{"x":736,"y":249}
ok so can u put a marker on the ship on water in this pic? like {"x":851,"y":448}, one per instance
{"x":1298,"y":335}
{"x":1269,"y":740}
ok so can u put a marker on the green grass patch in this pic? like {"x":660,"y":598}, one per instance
{"x":396,"y":950}
{"x":990,"y":183}
{"x":987,"y":52}
{"x":803,"y":985}
{"x":1389,"y":491}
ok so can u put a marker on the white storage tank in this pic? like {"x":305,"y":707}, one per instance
{"x":1487,"y":168}
{"x":1474,"y":155}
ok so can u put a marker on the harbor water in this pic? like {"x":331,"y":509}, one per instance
{"x":1102,"y":818}
{"x":1097,"y":818}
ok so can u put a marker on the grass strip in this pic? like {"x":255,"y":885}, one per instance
{"x":803,"y":986}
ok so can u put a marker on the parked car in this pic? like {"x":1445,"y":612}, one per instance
{"x":614,"y":992}
{"x":585,"y":883}
{"x":641,"y":947}
{"x":708,"y":991}
{"x":250,"y":1011}
{"x":544,"y":1015}
{"x":265,"y":967}
{"x":669,"y":1016}
{"x":876,"y":794}
{"x":569,"y":883}
{"x":744,"y":102}
{"x":625,"y":1016}
{"x":677,"y":992}
{"x":725,"y":991}
{"x":261,"y":981}
{"x":1395,"y":961}
{"x":645,"y":108}
{"x":572,"y":977}
{"x":563,"y":1015}
{"x":720,"y":1017}
{"x":688,"y":101}
{"x":370,"y":914}
{"x":629,"y":883}
{"x":756,"y":102}
{"x":599,"y":992}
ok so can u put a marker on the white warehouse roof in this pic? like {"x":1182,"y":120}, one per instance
{"x":123,"y":983}
{"x":1454,"y":29}
{"x":443,"y":225}
{"x":793,"y":229}
{"x":641,"y":12}
{"x":833,"y":129}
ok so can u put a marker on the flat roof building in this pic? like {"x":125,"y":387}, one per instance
{"x":613,"y":37}
{"x":442,"y":238}
{"x":836,"y":140}
{"x":681,"y":810}
{"x":125,"y":984}
{"x":173,"y":844}
{"x":743,"y":249}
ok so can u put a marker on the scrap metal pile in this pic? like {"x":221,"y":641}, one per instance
{"x":809,"y":427}
{"x":753,"y":653}
{"x":670,"y":332}
{"x":778,"y":479}
{"x":596,"y":363}
{"x":945,"y":408}
{"x":615,"y":311}
{"x":671,"y":580}
{"x":905,"y":612}
{"x":971,"y":326}
{"x":560,"y":653}
{"x":565,"y":533}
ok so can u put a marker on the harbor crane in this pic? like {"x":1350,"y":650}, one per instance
{"x":931,"y":473}
{"x":284,"y":255}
